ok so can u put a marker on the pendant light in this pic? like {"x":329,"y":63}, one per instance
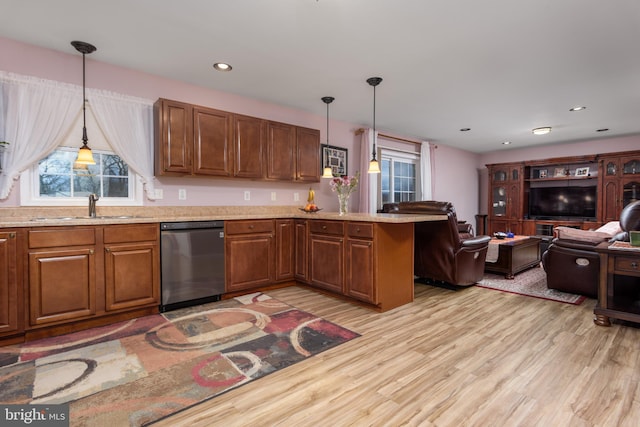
{"x":85,"y":156}
{"x":327,"y":172}
{"x":374,"y":166}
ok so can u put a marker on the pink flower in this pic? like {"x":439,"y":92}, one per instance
{"x":345,"y":185}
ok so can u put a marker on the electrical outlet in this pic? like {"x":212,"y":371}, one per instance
{"x":247,"y":195}
{"x":296,"y":197}
{"x":158,"y":193}
{"x":182,"y":194}
{"x":273,"y":196}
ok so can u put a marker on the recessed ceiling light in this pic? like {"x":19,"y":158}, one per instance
{"x":506,"y":143}
{"x":222,"y":66}
{"x":541,"y":131}
{"x":602,"y":130}
{"x":465,"y":129}
{"x":577,"y":108}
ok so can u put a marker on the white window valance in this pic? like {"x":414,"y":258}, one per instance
{"x":36,"y":114}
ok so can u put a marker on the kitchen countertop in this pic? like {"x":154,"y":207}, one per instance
{"x":72,"y":216}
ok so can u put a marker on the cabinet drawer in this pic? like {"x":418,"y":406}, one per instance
{"x":627,"y":264}
{"x":65,"y":237}
{"x":327,"y":227}
{"x":360,"y":229}
{"x":246,"y":227}
{"x":131,"y":233}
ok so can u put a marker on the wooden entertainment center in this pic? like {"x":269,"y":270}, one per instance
{"x":612,"y":178}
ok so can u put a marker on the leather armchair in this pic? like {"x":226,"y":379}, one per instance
{"x":441,"y":254}
{"x":573,"y":265}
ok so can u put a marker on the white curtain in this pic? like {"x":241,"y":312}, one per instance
{"x":35,"y":117}
{"x":127,"y":123}
{"x":426,"y":181}
{"x":368,"y":193}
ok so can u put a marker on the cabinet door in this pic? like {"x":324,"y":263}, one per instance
{"x":284,"y":249}
{"x":131,"y":275}
{"x":360,"y":282}
{"x":9,"y":296}
{"x":300,"y":257}
{"x":174,"y":137}
{"x":326,"y":257}
{"x":280,"y":151}
{"x":610,"y":199}
{"x":249,"y":261}
{"x":62,"y":285}
{"x":212,"y":133}
{"x":249,"y":142}
{"x":307,"y":154}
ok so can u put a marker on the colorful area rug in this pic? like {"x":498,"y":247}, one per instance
{"x":137,"y":372}
{"x":532,"y":282}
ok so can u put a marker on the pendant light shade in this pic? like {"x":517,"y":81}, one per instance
{"x":374,"y":166}
{"x":327,"y":172}
{"x":85,"y":156}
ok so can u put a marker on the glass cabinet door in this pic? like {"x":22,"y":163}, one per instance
{"x":631,"y":167}
{"x":499,"y":201}
{"x":499,"y":175}
{"x":611,"y":168}
{"x":630,"y":193}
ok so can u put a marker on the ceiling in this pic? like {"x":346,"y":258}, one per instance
{"x":498,"y":67}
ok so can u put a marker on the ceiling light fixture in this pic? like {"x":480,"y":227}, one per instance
{"x":602,"y":130}
{"x":222,"y":66}
{"x":85,"y":156}
{"x":374,"y":166}
{"x":465,"y":129}
{"x":506,"y":143}
{"x":577,"y":108}
{"x":541,"y":131}
{"x":327,"y":172}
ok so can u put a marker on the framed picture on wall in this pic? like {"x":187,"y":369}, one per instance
{"x":582,"y":171}
{"x":336,"y":158}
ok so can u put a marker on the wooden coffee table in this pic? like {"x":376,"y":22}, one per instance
{"x":515,"y":255}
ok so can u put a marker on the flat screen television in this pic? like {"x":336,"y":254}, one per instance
{"x":562,"y":202}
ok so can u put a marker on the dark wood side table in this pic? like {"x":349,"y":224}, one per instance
{"x":515,"y":256}
{"x":616,"y":264}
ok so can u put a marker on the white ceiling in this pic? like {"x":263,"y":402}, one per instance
{"x":499,"y":67}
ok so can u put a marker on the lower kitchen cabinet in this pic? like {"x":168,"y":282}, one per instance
{"x":249,"y":254}
{"x":301,"y":251}
{"x":132,"y":266}
{"x":326,"y":255}
{"x":10,"y":286}
{"x":62,"y":275}
{"x":284,"y":250}
{"x":84,"y":273}
{"x":361,"y":281}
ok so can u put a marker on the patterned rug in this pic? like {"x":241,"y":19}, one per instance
{"x":532,"y":282}
{"x":139,"y":371}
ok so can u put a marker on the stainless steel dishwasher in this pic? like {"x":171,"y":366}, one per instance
{"x":192,"y":258}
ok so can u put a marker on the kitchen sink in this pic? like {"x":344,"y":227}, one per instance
{"x":76,"y":218}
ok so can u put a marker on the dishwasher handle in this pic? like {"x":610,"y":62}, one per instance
{"x":190,"y":225}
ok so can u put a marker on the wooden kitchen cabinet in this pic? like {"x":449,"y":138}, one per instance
{"x":62,"y":275}
{"x":132,"y":266}
{"x":213,"y":148}
{"x":307,"y":154}
{"x":326,"y":255}
{"x":249,"y":254}
{"x":360,"y":281}
{"x":85,"y":273}
{"x":284,"y":250}
{"x":11,"y":302}
{"x":281,"y":142}
{"x":301,"y":251}
{"x":249,"y":146}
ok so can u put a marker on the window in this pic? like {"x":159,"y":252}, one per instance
{"x":55,"y":181}
{"x":400,"y":176}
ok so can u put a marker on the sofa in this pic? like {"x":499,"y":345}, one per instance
{"x":571,"y":262}
{"x":445,"y":251}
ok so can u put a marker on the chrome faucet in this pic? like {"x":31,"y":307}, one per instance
{"x":92,"y":205}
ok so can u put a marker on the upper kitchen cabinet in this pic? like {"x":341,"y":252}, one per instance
{"x":194,"y":140}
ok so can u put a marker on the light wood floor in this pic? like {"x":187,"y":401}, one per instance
{"x":474,"y":357}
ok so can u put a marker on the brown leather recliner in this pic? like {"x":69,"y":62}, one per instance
{"x":441,"y":254}
{"x":573,"y":265}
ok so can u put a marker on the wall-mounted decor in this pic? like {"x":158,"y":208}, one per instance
{"x":559,"y":172}
{"x":336,"y":159}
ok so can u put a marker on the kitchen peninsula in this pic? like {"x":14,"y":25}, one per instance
{"x":65,"y":271}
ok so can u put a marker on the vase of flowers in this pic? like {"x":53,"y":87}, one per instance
{"x":344,"y":186}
